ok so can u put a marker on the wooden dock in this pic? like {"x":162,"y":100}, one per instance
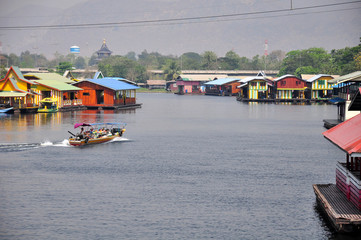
{"x":343,"y":215}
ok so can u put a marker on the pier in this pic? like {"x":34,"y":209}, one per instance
{"x":344,"y":216}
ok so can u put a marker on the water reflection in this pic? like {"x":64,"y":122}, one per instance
{"x":25,"y":121}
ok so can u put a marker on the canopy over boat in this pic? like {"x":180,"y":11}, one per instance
{"x":49,"y":100}
{"x":76,"y":125}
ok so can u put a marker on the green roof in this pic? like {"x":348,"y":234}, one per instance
{"x":49,"y":76}
{"x":18,"y":72}
{"x":57,"y":85}
{"x":355,"y":76}
{"x":12,"y":94}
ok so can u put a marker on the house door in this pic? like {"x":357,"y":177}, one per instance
{"x":181,"y":89}
{"x":100,"y":96}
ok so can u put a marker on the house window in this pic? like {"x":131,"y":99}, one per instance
{"x":321,"y":82}
{"x":283,"y":83}
{"x":254,"y":84}
{"x":86,"y":94}
{"x":262,"y":84}
{"x":298,"y":82}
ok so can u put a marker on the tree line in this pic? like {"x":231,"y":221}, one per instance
{"x":134,"y":67}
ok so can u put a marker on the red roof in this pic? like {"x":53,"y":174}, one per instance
{"x":347,"y":135}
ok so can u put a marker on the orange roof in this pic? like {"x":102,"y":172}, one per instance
{"x":347,"y":135}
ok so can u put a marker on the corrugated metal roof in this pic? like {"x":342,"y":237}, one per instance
{"x":48,"y":76}
{"x":115,"y":84}
{"x":12,"y":94}
{"x":156,"y":82}
{"x":247,"y":79}
{"x":355,"y":76}
{"x":222,"y":81}
{"x":57,"y":85}
{"x":317,"y":77}
{"x":285,"y":76}
{"x":201,"y":77}
{"x":346,"y":135}
{"x":18,"y":72}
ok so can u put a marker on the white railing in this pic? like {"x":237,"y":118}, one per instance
{"x":72,"y":102}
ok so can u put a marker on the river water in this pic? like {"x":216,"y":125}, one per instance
{"x":188,"y":167}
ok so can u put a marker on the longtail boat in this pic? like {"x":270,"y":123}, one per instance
{"x":94,"y":133}
{"x":48,"y":105}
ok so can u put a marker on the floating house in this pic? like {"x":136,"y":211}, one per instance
{"x":256,"y":88}
{"x":155,"y":84}
{"x":290,"y":87}
{"x":320,"y":86}
{"x":342,"y":201}
{"x":345,"y":88}
{"x":107,"y":93}
{"x":346,"y":136}
{"x":222,"y":87}
{"x":18,"y":92}
{"x":53,"y":85}
{"x":194,"y":83}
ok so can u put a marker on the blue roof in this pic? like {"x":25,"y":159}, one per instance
{"x":222,"y":81}
{"x":115,"y":84}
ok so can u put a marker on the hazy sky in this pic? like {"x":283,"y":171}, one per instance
{"x":11,"y":5}
{"x":311,"y":23}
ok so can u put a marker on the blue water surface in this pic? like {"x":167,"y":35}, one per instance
{"x":188,"y":167}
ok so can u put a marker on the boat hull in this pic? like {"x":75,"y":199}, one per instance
{"x":7,"y":110}
{"x":83,"y":142}
{"x":43,"y":110}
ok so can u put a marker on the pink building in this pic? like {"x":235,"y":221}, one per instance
{"x":346,"y":136}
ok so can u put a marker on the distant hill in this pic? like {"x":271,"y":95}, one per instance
{"x":243,"y":34}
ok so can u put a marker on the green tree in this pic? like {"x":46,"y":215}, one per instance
{"x":317,"y":58}
{"x":118,"y":66}
{"x":27,"y":60}
{"x":256,"y":63}
{"x":171,"y":70}
{"x":13,"y":60}
{"x":2,"y":71}
{"x":357,"y":59}
{"x":344,"y":59}
{"x":305,"y":70}
{"x":209,"y":60}
{"x":80,"y":63}
{"x":244,"y":63}
{"x":131,"y":56}
{"x":63,"y":66}
{"x":93,"y":60}
{"x":231,"y":61}
{"x":190,"y":61}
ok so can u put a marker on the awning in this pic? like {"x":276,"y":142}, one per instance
{"x":346,"y":136}
{"x":12,"y":94}
{"x":337,"y":100}
{"x":242,"y":85}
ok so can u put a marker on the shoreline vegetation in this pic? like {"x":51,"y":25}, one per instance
{"x":146,"y":90}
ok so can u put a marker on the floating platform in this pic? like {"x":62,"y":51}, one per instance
{"x":293,"y":100}
{"x":116,"y":107}
{"x":330,"y":123}
{"x":343,"y":215}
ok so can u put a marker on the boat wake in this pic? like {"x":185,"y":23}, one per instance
{"x":17,"y":147}
{"x":64,"y":143}
{"x":119,"y":139}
